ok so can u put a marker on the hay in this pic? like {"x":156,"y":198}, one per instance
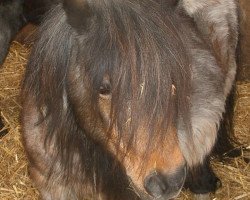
{"x":14,"y":181}
{"x":242,"y":113}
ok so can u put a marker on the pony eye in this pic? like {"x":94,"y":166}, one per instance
{"x":105,"y":89}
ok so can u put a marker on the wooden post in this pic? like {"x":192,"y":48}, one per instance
{"x":244,"y":44}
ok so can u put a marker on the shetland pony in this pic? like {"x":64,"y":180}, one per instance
{"x":122,"y":99}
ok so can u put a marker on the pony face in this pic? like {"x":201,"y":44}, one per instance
{"x":123,"y":91}
{"x":153,"y":162}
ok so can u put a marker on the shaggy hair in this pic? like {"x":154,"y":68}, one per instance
{"x":142,"y":66}
{"x":163,"y":67}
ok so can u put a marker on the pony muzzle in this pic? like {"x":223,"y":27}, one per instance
{"x":165,"y":186}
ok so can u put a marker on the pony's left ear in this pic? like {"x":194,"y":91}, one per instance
{"x":77,"y":12}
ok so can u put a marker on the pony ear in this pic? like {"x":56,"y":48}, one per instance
{"x":77,"y":12}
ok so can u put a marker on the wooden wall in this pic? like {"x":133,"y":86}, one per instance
{"x":244,"y":46}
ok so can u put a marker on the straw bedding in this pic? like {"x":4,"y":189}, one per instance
{"x":14,"y":180}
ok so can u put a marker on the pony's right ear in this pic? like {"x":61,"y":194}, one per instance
{"x":77,"y":12}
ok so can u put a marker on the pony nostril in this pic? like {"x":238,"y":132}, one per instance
{"x":155,"y":185}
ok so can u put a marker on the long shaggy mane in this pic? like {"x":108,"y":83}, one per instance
{"x":139,"y":45}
